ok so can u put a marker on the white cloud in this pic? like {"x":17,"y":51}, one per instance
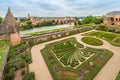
{"x":59,"y":7}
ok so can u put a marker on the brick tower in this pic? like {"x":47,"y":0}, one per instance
{"x":10,"y":29}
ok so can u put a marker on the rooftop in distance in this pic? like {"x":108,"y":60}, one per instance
{"x":114,"y":12}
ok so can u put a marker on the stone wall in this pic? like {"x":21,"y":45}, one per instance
{"x":55,"y":35}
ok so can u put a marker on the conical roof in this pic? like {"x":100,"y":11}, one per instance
{"x":9,"y":24}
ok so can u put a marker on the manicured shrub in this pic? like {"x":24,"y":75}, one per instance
{"x":91,"y":64}
{"x":29,"y":76}
{"x":23,"y":72}
{"x":15,"y":64}
{"x":10,"y":75}
{"x":26,"y":57}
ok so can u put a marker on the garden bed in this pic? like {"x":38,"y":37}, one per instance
{"x":92,"y":41}
{"x":62,"y":58}
{"x":112,"y":38}
{"x":19,"y":57}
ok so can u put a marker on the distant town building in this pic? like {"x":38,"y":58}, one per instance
{"x":10,"y":29}
{"x":58,"y":20}
{"x":112,"y":18}
{"x":99,"y":17}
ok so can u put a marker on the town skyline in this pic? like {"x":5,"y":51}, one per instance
{"x":58,"y":8}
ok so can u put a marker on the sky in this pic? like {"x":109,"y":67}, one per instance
{"x":58,"y":8}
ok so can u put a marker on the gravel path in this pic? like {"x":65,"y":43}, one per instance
{"x":108,"y":72}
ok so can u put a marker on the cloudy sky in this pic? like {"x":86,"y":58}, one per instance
{"x":50,"y":8}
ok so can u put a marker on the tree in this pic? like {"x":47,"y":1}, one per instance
{"x":88,"y":20}
{"x":99,"y":21}
{"x":24,"y":19}
{"x":103,"y":27}
{"x":0,"y":19}
{"x":75,"y":23}
{"x":92,"y":19}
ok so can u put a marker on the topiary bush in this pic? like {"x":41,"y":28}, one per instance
{"x":10,"y":75}
{"x":29,"y":76}
{"x":26,"y":57}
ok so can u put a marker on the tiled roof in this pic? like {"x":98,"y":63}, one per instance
{"x":114,"y":12}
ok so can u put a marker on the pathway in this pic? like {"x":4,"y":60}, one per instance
{"x":108,"y":72}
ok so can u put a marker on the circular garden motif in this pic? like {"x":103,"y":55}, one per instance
{"x":92,"y":41}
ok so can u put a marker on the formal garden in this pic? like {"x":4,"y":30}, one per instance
{"x":70,"y":60}
{"x":112,"y":38}
{"x":92,"y":41}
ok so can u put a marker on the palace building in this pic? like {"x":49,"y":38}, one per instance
{"x":9,"y":29}
{"x":112,"y":18}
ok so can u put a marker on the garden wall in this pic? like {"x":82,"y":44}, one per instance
{"x":55,"y":35}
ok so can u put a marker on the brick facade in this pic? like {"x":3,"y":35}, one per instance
{"x":112,"y":18}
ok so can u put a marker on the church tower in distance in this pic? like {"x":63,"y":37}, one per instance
{"x":10,"y":29}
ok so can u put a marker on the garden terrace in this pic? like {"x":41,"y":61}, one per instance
{"x":4,"y":47}
{"x":19,"y":58}
{"x":92,"y":41}
{"x":112,"y":38}
{"x":70,"y":60}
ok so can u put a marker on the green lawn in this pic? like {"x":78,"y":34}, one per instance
{"x":92,"y":41}
{"x":72,"y":54}
{"x":4,"y":44}
{"x":112,"y":38}
{"x":48,"y":31}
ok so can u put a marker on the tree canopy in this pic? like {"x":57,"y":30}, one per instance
{"x":0,"y":19}
{"x":89,"y":20}
{"x":92,"y":19}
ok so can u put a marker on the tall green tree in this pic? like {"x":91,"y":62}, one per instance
{"x":88,"y":20}
{"x":0,"y":20}
{"x":24,"y":19}
{"x":92,"y":19}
